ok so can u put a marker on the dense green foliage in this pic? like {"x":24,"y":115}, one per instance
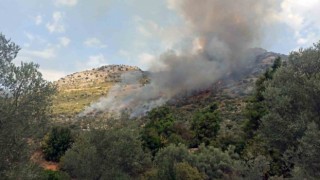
{"x":101,"y":154}
{"x":162,"y":129}
{"x":205,"y":163}
{"x":167,"y":158}
{"x":256,"y":107}
{"x":158,"y":129}
{"x":184,"y":170}
{"x":25,"y":98}
{"x":292,"y":98}
{"x":206,"y":124}
{"x":55,"y":175}
{"x":56,"y":143}
{"x":307,"y":158}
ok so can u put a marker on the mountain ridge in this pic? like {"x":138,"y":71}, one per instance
{"x":80,"y":89}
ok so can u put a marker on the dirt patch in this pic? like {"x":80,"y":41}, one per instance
{"x":38,"y":158}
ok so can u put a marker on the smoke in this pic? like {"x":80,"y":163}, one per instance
{"x":235,"y":25}
{"x":224,"y":30}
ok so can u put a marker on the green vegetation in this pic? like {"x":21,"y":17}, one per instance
{"x":292,"y":98}
{"x":162,"y":129}
{"x":56,"y":143}
{"x":206,"y":125}
{"x":55,"y":175}
{"x":157,"y":131}
{"x":256,"y":107}
{"x":102,"y":154}
{"x":206,"y":162}
{"x":25,"y":98}
{"x":274,"y":135}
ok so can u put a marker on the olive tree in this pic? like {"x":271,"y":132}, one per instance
{"x":101,"y":154}
{"x":25,"y":98}
{"x":293,"y":101}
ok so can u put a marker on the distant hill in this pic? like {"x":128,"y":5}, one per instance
{"x":80,"y":89}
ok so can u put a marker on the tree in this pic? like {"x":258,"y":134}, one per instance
{"x":292,"y":98}
{"x":158,"y":129}
{"x":56,"y":143}
{"x":101,"y":154}
{"x":256,"y":107}
{"x":207,"y":162}
{"x":25,"y":98}
{"x":215,"y":163}
{"x":186,"y":171}
{"x":206,"y":124}
{"x":306,"y":158}
{"x":168,"y":157}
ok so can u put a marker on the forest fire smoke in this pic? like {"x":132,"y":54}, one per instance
{"x":224,"y":31}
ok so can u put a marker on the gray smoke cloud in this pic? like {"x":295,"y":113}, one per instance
{"x":224,"y":31}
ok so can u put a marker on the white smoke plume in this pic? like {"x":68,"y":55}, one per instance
{"x":224,"y":30}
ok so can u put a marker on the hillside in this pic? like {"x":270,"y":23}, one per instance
{"x":78,"y":90}
{"x":231,"y":92}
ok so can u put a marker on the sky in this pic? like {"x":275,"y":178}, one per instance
{"x":66,"y":36}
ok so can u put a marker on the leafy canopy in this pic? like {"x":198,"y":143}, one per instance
{"x":25,"y":99}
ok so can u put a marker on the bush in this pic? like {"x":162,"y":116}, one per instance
{"x":186,"y":171}
{"x":215,"y":163}
{"x":206,"y":125}
{"x":56,"y":143}
{"x":166,"y":159}
{"x":101,"y":154}
{"x":157,"y":131}
{"x":207,"y":162}
{"x":55,"y":175}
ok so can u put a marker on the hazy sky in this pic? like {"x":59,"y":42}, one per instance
{"x":65,"y":36}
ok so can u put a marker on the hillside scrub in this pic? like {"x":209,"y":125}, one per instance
{"x":163,"y":128}
{"x":206,"y":124}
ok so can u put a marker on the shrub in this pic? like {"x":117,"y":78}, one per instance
{"x":207,"y":162}
{"x":56,"y":143}
{"x":166,"y":159}
{"x":186,"y":171}
{"x":206,"y":124}
{"x":157,"y":131}
{"x":55,"y":175}
{"x":101,"y":154}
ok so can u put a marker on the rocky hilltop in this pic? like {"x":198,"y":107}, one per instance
{"x":88,"y":78}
